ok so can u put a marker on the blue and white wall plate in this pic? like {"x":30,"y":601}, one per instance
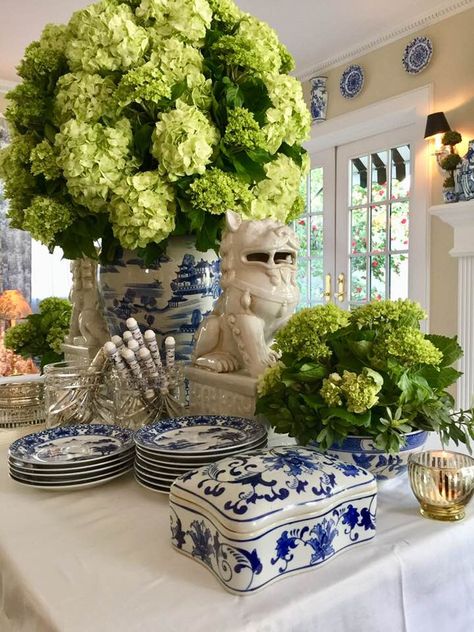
{"x":72,"y":444}
{"x":417,"y":55}
{"x":253,"y":518}
{"x":201,"y":434}
{"x":352,"y":81}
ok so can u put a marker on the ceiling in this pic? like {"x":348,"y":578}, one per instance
{"x":317,"y":32}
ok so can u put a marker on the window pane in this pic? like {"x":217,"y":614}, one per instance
{"x":398,"y":276}
{"x":377,"y":278}
{"x":316,"y":178}
{"x":359,"y":180}
{"x":301,"y":230}
{"x":399,"y":226}
{"x":359,"y":231}
{"x":379,"y":176}
{"x":316,"y":281}
{"x":400,"y":161}
{"x":316,"y":235}
{"x":378,"y":228}
{"x":303,"y":281}
{"x":358,"y":280}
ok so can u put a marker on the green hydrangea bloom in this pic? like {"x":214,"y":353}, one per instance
{"x":287,"y":61}
{"x":331,"y":390}
{"x":198,"y":92}
{"x":55,"y":304}
{"x":95,"y":159}
{"x":297,"y":209}
{"x":242,"y":130}
{"x":186,"y":19}
{"x":45,"y":217}
{"x":391,"y":313}
{"x":254,"y":46}
{"x":44,"y":58}
{"x":217,"y":191}
{"x":84,"y":96}
{"x":411,"y":347}
{"x":289,"y":119}
{"x":304,"y":333}
{"x":44,"y":161}
{"x":278,"y":192}
{"x":19,"y":336}
{"x":270,"y":379}
{"x":360,"y":391}
{"x":226,"y":12}
{"x":15,"y":170}
{"x":105,"y":37}
{"x":183,"y":141}
{"x":55,"y":337}
{"x":172,"y":63}
{"x":143,"y":210}
{"x":30,"y":106}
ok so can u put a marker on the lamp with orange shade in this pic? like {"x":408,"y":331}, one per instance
{"x":13,"y":306}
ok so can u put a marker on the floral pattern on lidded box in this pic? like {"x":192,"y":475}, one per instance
{"x":255,"y":518}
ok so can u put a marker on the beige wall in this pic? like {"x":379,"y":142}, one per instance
{"x":451,"y":72}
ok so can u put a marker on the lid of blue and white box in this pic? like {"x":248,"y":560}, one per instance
{"x":247,"y":492}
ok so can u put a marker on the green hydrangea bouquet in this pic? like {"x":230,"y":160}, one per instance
{"x":41,"y":335}
{"x":146,"y":118}
{"x":368,"y":372}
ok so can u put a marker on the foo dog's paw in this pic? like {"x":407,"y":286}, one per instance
{"x":219,"y":361}
{"x":273,"y":357}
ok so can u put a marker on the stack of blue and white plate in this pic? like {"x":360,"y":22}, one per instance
{"x":170,"y":447}
{"x":72,"y":457}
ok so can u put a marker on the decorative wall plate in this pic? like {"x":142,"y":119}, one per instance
{"x":352,"y":81}
{"x":417,"y":55}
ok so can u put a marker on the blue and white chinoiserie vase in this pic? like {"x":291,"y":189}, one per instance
{"x":449,"y":195}
{"x":361,"y":451}
{"x":255,"y":518}
{"x":319,"y":98}
{"x":171,"y":296}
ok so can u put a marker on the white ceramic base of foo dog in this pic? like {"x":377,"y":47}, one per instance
{"x":212,"y":393}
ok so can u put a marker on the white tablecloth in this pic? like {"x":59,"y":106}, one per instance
{"x":100,"y":560}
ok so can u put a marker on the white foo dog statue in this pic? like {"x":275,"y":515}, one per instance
{"x":260,"y":293}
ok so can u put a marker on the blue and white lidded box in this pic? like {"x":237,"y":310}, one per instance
{"x":255,"y":518}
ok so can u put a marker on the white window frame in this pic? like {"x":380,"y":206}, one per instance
{"x":409,"y":109}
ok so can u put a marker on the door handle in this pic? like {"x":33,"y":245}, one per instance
{"x":327,"y":288}
{"x":341,"y":287}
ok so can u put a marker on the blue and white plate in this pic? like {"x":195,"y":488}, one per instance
{"x":82,"y":443}
{"x":417,"y":55}
{"x":200,"y":435}
{"x":352,"y":81}
{"x":90,"y":482}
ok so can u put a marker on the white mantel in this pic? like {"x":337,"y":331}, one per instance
{"x":460,"y":215}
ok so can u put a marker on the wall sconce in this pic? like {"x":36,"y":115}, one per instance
{"x":436,"y":126}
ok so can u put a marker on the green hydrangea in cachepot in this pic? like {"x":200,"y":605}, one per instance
{"x":40,"y":336}
{"x":141,"y":122}
{"x":367,"y":385}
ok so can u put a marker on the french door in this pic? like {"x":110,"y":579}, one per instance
{"x":362,"y":223}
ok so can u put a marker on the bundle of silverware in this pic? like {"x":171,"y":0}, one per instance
{"x":126,"y":383}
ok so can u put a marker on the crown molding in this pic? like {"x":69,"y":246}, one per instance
{"x":442,"y":11}
{"x":6,"y":85}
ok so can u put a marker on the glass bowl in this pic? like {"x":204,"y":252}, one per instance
{"x":443,"y":483}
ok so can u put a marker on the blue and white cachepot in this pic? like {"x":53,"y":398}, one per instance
{"x":361,"y":451}
{"x":254,"y":518}
{"x":171,"y":296}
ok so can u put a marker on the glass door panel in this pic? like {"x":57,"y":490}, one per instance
{"x":315,"y":229}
